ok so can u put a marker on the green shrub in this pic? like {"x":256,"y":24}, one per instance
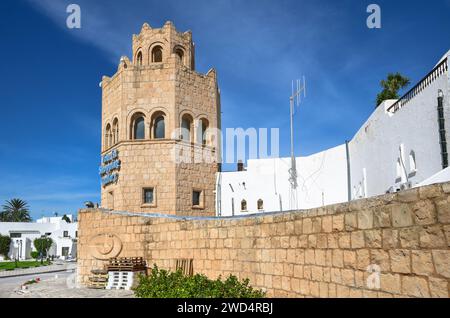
{"x":166,"y":284}
{"x":5,"y":242}
{"x":34,"y":254}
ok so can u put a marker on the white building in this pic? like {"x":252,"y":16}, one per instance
{"x":63,"y":234}
{"x":403,"y":144}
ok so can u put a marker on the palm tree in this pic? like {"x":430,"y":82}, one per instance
{"x":391,"y":86}
{"x":15,"y":210}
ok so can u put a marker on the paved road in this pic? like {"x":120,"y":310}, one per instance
{"x":54,"y":285}
{"x":18,"y":280}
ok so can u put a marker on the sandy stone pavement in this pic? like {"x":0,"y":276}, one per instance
{"x":55,"y":286}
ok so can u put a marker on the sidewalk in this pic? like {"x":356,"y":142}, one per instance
{"x":39,"y":270}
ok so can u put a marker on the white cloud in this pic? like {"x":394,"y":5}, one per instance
{"x":99,"y":26}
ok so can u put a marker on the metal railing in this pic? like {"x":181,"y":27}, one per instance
{"x":437,"y":72}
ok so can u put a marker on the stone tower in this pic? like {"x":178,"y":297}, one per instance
{"x":159,"y":121}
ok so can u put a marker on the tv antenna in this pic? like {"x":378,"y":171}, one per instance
{"x":298,"y":89}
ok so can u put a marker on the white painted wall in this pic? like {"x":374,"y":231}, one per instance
{"x":322,"y":180}
{"x":374,"y":153}
{"x":376,"y":146}
{"x":23,"y":246}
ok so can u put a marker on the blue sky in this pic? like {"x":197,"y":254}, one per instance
{"x":50,"y":99}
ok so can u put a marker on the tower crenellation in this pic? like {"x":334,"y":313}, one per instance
{"x":164,"y":45}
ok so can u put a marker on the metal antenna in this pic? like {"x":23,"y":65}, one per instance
{"x":295,"y":99}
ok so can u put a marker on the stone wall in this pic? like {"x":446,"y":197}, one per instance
{"x":325,"y":252}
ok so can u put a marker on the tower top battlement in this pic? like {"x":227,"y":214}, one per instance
{"x":162,"y":45}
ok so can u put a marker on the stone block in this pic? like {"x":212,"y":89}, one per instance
{"x":351,"y":222}
{"x":422,"y":263}
{"x":338,"y":223}
{"x":432,"y":237}
{"x":348,"y":277}
{"x":338,"y":258}
{"x":400,"y":261}
{"x":307,"y":226}
{"x":357,"y":239}
{"x":333,"y":240}
{"x":406,"y":196}
{"x":298,"y":227}
{"x":401,"y":215}
{"x":390,"y":239}
{"x":390,"y":283}
{"x":441,"y":261}
{"x":415,"y":286}
{"x":320,"y":257}
{"x":363,"y":259}
{"x":344,"y":240}
{"x":424,"y":212}
{"x":381,"y":218}
{"x":443,"y":210}
{"x":310,"y":257}
{"x":373,"y":238}
{"x":438,"y":287}
{"x":381,"y":258}
{"x":365,"y":219}
{"x":336,"y":276}
{"x":431,"y":191}
{"x":327,"y":224}
{"x":350,"y":259}
{"x":446,"y":187}
{"x":409,"y":237}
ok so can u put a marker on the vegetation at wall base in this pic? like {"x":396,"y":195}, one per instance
{"x":165,"y":284}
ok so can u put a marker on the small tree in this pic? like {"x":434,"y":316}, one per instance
{"x":42,"y":246}
{"x":391,"y":86}
{"x":5,"y":243}
{"x":66,"y":218}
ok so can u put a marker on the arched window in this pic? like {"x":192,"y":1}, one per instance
{"x":115,"y":131}
{"x":202,"y":134}
{"x":243,"y":205}
{"x":139,"y":59}
{"x":139,"y":128}
{"x":179,"y":53}
{"x":412,"y":162}
{"x":260,"y":204}
{"x":186,"y":123}
{"x":157,"y":55}
{"x":159,"y":128}
{"x":108,"y":136}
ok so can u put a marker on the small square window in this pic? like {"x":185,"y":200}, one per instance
{"x":66,"y":233}
{"x":149,"y":196}
{"x":197,"y":199}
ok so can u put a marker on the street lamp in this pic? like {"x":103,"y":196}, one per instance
{"x":18,"y":245}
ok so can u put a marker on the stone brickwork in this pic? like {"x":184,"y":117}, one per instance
{"x":170,"y":88}
{"x":334,"y":251}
